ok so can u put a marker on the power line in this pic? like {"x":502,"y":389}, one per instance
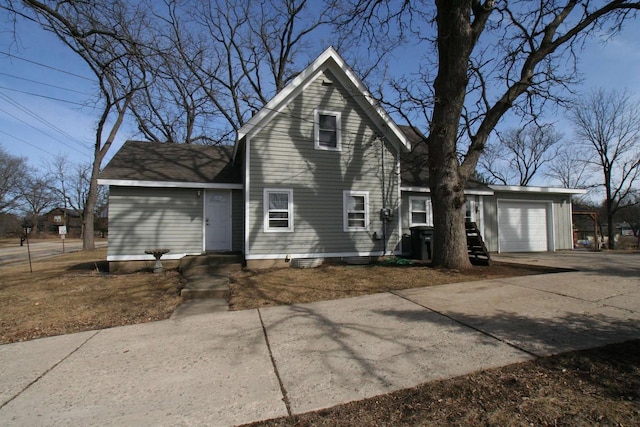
{"x":43,"y":132}
{"x":28,"y":143}
{"x":42,"y":83}
{"x":45,"y":66}
{"x":43,"y":120}
{"x":43,"y":96}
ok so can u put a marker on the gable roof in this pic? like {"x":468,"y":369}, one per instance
{"x":167,"y":164}
{"x":331,"y":60}
{"x":414,"y":165}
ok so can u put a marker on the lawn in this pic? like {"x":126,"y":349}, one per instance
{"x":283,"y":286}
{"x":72,"y":292}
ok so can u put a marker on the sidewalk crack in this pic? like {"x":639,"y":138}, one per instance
{"x":467,"y":325}
{"x":283,"y":390}
{"x":48,"y":370}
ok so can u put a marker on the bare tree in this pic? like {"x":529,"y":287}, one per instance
{"x":70,"y":185}
{"x":104,"y":35}
{"x":608,"y":125}
{"x":569,"y":167}
{"x":173,"y":106}
{"x":13,"y":170}
{"x":491,"y":58}
{"x":36,"y":196}
{"x":218,"y":62}
{"x":519,"y":154}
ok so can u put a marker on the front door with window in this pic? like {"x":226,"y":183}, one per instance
{"x":217,"y":220}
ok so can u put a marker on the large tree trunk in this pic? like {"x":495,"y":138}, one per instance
{"x":455,"y":42}
{"x":450,"y":238}
{"x":88,"y":237}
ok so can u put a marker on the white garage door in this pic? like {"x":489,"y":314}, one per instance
{"x":522,"y":226}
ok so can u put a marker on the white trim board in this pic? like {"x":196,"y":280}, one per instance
{"x":548,"y":190}
{"x":428,"y":190}
{"x":169,"y":184}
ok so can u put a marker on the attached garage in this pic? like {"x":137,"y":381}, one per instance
{"x":523,"y":226}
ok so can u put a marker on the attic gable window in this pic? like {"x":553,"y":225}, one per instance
{"x":327,"y":130}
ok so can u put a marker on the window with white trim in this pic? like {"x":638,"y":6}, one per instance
{"x":278,"y":210}
{"x":420,"y":212}
{"x":355,"y":210}
{"x":327,"y":130}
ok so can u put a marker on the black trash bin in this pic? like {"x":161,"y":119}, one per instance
{"x":421,"y":237}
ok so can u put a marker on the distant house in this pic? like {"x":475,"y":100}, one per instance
{"x":322,"y":171}
{"x":56,"y":217}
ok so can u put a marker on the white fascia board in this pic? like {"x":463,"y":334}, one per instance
{"x":332,"y":60}
{"x":428,"y":190}
{"x":236,"y":147}
{"x":479,"y":192}
{"x":416,"y":189}
{"x":168,"y":184}
{"x":548,"y":190}
{"x":278,"y":101}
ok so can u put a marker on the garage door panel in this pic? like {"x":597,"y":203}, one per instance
{"x":522,"y":226}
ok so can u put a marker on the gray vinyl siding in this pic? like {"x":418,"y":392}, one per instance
{"x":282,"y":155}
{"x":148,"y":218}
{"x":562,"y":221}
{"x":237,"y":220}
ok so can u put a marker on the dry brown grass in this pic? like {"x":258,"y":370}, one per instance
{"x":71,"y":293}
{"x":599,"y":387}
{"x":264,"y":288}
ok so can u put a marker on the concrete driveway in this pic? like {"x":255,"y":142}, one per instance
{"x":237,"y":367}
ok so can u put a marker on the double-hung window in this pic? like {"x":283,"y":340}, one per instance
{"x":327,"y":130}
{"x":278,"y":210}
{"x":420,"y":212}
{"x":355,"y":210}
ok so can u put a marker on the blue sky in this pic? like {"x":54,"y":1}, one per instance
{"x":38,"y":128}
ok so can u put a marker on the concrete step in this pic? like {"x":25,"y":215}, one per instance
{"x":209,"y":270}
{"x":211,"y":259}
{"x":204,"y":287}
{"x":199,"y":306}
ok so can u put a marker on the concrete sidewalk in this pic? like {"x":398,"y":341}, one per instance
{"x":237,"y":367}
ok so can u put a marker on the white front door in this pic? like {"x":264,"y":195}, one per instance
{"x":217,"y":220}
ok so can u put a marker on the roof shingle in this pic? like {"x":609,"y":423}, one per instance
{"x":153,"y":161}
{"x":414,"y":165}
